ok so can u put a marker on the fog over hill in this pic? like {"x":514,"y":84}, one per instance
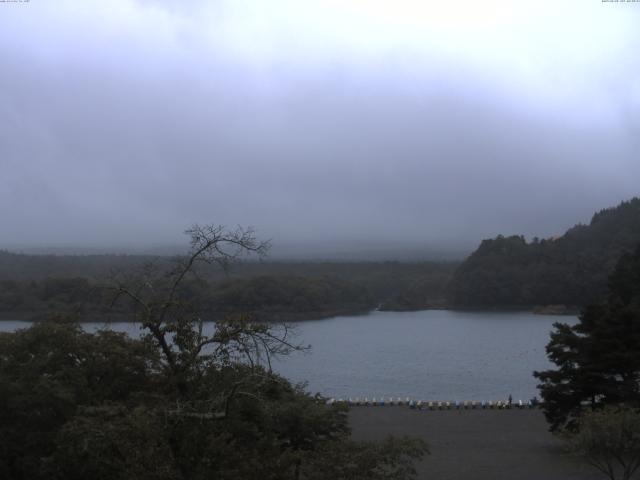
{"x":404,"y":126}
{"x":359,"y":251}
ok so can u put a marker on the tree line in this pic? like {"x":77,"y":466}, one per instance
{"x":265,"y":290}
{"x":572,"y":270}
{"x":179,"y":403}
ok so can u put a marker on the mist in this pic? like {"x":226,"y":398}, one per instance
{"x":342,"y":126}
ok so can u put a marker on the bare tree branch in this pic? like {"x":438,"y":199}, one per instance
{"x":177,"y":326}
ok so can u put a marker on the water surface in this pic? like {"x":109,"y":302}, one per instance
{"x":434,"y":354}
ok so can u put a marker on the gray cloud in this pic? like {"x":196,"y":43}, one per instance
{"x":127,"y":124}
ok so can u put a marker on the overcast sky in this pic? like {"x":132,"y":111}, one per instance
{"x":398,"y":122}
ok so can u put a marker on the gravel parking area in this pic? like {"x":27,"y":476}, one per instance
{"x":476,"y":444}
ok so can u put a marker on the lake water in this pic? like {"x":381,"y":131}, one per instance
{"x":432,"y":355}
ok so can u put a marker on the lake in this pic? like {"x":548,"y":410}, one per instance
{"x":432,"y":355}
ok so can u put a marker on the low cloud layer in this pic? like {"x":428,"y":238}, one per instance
{"x":124,"y":122}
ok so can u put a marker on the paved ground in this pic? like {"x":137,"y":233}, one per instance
{"x":476,"y":444}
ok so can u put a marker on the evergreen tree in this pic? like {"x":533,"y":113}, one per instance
{"x":598,"y":359}
{"x":569,"y":270}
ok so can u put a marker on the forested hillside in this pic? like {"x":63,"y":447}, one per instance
{"x":570,"y":270}
{"x":38,"y":286}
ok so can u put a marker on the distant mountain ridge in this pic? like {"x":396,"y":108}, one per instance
{"x":569,"y":270}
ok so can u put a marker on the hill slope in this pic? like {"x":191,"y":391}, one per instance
{"x":570,"y":270}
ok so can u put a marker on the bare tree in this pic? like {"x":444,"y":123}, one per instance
{"x":175,"y":323}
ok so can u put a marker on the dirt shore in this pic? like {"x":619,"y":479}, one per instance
{"x":476,"y":444}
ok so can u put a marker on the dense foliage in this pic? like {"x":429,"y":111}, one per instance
{"x":570,"y":270}
{"x":598,"y":359}
{"x":36,"y":286}
{"x":180,"y":403}
{"x":287,"y":297}
{"x":609,"y":439}
{"x":75,"y":405}
{"x":264,"y":297}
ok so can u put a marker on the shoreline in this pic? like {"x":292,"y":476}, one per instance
{"x":286,"y":317}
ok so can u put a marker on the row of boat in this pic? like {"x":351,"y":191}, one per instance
{"x":437,"y":405}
